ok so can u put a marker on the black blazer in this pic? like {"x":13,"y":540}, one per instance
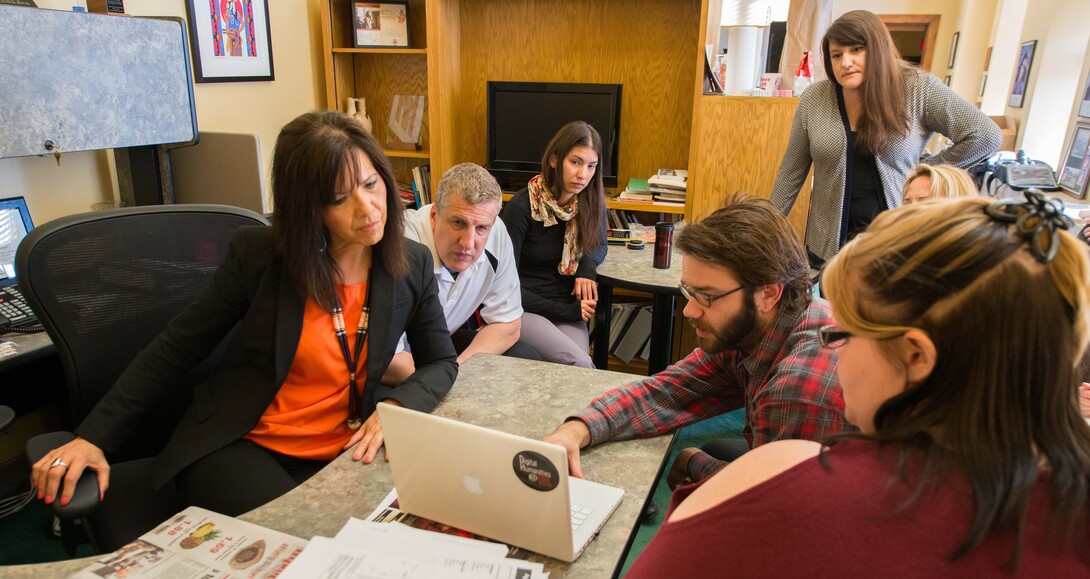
{"x":252,"y":290}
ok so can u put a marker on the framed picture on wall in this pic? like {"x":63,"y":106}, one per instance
{"x":1077,"y":162}
{"x":946,"y":80}
{"x":1084,"y":107}
{"x":953,"y":49}
{"x":380,"y":24}
{"x":230,"y":40}
{"x":1021,"y":73}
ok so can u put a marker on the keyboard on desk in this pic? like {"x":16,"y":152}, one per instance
{"x":14,"y":311}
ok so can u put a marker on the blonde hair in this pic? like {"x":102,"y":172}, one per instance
{"x":946,"y":181}
{"x":1009,"y":332}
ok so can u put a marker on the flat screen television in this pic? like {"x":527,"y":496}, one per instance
{"x":524,"y":116}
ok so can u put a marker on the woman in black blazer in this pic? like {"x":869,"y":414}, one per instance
{"x":283,"y":401}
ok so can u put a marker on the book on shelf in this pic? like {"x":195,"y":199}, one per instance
{"x":200,"y":543}
{"x":621,"y":317}
{"x":673,"y":179}
{"x":635,"y":335}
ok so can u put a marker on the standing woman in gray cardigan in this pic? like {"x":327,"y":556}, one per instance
{"x":864,"y":128}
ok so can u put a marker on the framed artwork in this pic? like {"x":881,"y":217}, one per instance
{"x":983,"y":83}
{"x":946,"y":80}
{"x":1076,"y":163}
{"x":1021,"y":73}
{"x":230,"y":39}
{"x":1084,"y":106}
{"x":953,"y":49}
{"x":380,"y":24}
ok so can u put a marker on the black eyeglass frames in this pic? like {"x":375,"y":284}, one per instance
{"x":703,"y":298}
{"x":833,"y":337}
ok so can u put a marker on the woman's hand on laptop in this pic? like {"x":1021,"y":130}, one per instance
{"x":572,"y":435}
{"x":369,"y":437}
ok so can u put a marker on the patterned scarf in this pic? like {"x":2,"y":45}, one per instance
{"x":544,"y":208}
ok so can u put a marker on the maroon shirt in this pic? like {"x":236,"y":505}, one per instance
{"x":810,"y":521}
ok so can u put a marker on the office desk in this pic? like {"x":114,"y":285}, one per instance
{"x":519,"y":396}
{"x":30,"y":347}
{"x":632,"y":269}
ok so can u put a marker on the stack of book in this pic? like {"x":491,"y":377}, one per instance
{"x":630,"y":330}
{"x":422,"y":185}
{"x":669,"y":186}
{"x":637,"y":191}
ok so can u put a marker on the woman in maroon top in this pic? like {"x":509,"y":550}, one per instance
{"x":959,"y":326}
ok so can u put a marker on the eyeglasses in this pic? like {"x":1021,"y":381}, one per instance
{"x":703,"y":298}
{"x":833,"y":337}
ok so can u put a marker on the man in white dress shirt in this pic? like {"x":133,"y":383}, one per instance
{"x":474,"y":267}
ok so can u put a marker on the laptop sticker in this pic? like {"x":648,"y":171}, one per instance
{"x":536,"y":471}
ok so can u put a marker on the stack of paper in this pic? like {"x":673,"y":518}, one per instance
{"x":389,"y":549}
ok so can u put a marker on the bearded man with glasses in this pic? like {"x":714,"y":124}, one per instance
{"x":750,"y":299}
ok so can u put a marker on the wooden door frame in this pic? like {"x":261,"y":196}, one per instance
{"x":928,"y":23}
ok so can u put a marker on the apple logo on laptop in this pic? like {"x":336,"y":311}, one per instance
{"x":472,"y":484}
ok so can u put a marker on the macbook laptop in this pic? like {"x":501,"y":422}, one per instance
{"x":505,"y":487}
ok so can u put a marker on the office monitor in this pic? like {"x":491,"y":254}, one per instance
{"x":524,"y":116}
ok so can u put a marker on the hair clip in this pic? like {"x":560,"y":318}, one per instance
{"x":1038,"y":220}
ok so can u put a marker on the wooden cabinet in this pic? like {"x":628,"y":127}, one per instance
{"x":378,"y":74}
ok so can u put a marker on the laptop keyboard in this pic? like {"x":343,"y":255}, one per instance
{"x":579,"y":515}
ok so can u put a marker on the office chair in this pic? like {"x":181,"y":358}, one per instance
{"x":104,"y":285}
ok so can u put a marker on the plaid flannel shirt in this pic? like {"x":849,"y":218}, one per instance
{"x":787,"y":384}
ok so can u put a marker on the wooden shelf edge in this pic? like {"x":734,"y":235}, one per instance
{"x":648,"y":207}
{"x":379,"y":50}
{"x":408,"y":154}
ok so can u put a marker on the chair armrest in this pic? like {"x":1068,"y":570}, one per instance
{"x":85,"y":501}
{"x":7,"y":419}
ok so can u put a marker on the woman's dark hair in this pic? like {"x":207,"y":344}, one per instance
{"x":314,"y":154}
{"x":592,"y":198}
{"x":885,"y":101}
{"x":753,"y":240}
{"x":1009,"y":334}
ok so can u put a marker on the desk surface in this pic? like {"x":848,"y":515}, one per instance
{"x":29,"y":347}
{"x":633,"y":269}
{"x":518,"y":396}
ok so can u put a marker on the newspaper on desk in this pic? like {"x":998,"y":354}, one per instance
{"x":200,"y":544}
{"x":388,"y":549}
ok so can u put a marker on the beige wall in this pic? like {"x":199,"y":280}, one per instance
{"x":260,"y":108}
{"x":1061,"y":31}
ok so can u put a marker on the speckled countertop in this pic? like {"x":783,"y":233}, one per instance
{"x":634,"y":269}
{"x":517,"y":396}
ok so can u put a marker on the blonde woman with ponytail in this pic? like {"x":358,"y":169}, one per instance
{"x":960,"y":327}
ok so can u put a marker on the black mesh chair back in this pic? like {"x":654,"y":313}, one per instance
{"x":104,"y":284}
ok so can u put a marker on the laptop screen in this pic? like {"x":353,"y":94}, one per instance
{"x":14,"y":224}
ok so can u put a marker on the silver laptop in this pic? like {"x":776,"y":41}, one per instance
{"x":505,"y":487}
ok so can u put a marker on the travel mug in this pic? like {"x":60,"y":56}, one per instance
{"x":664,"y":242}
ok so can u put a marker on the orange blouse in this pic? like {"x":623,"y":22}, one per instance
{"x":307,"y":419}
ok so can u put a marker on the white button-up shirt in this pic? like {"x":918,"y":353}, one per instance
{"x":492,"y":281}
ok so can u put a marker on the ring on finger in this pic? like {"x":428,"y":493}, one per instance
{"x":58,"y":462}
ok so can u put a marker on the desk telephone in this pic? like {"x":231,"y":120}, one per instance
{"x":15,"y":314}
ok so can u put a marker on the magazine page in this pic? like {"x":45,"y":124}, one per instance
{"x":372,"y":552}
{"x":201,"y":544}
{"x":387,"y":511}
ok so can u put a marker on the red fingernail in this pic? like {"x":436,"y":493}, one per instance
{"x":64,"y":501}
{"x":355,"y":457}
{"x":40,"y":493}
{"x":367,"y":459}
{"x":48,"y":500}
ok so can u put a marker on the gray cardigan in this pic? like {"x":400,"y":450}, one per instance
{"x":817,"y":136}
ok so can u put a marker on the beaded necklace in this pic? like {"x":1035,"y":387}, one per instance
{"x":352,"y":359}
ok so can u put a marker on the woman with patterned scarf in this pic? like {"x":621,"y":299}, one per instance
{"x":558,"y":229}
